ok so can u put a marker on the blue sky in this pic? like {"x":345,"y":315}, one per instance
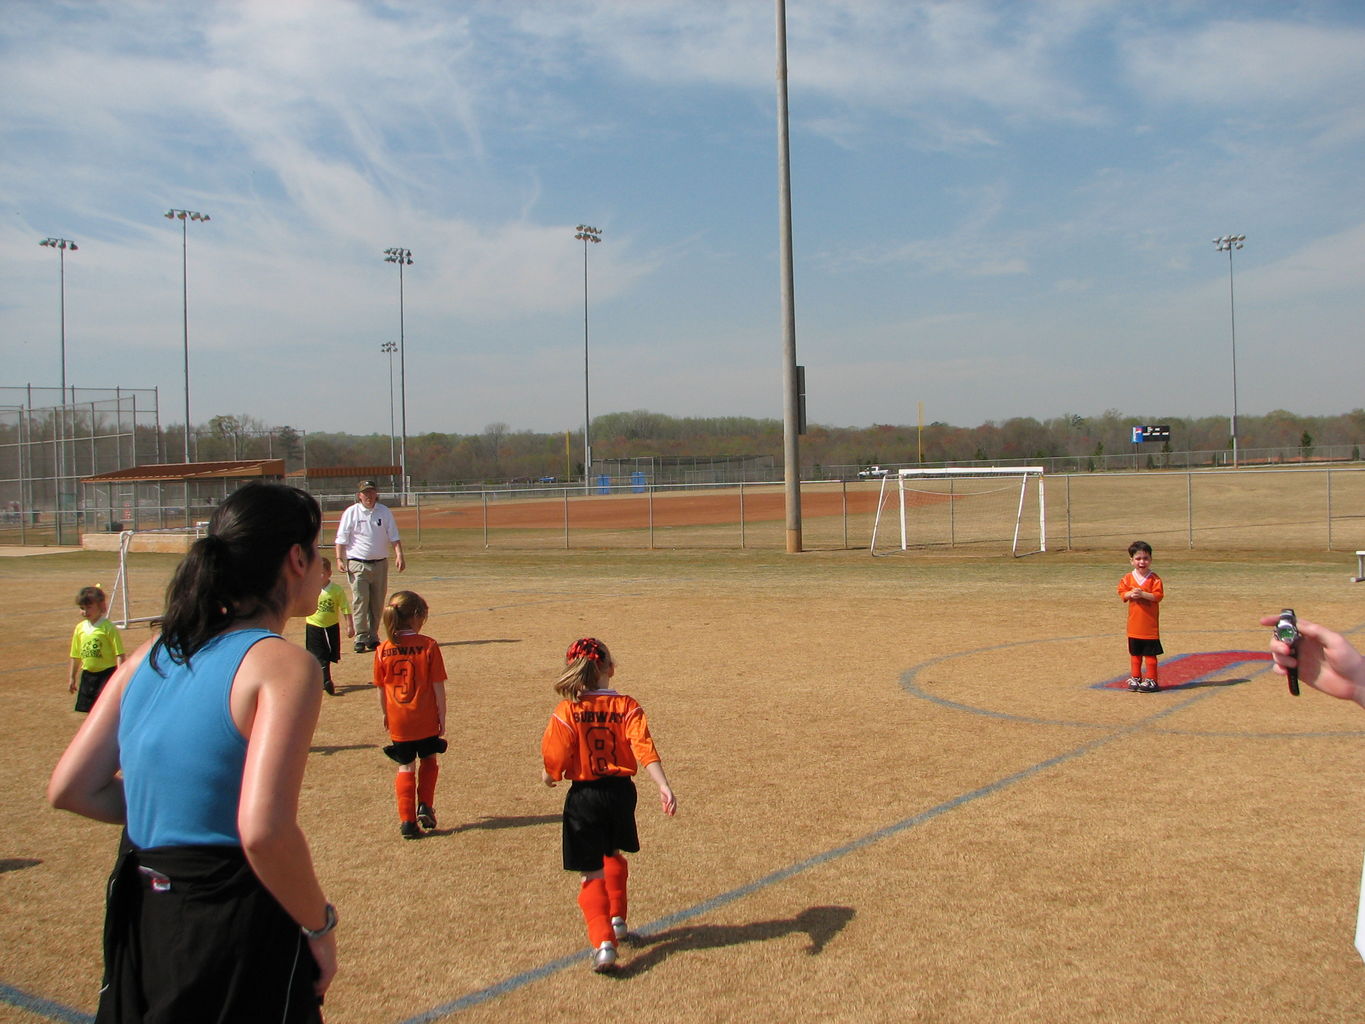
{"x":1001,"y":208}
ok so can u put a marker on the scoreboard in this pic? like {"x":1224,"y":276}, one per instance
{"x":1160,"y":432}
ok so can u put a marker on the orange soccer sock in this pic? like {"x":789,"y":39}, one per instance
{"x":592,"y":900}
{"x":1152,"y":675}
{"x":405,"y":788}
{"x":1135,"y":666}
{"x":615,"y":872}
{"x":428,"y":771}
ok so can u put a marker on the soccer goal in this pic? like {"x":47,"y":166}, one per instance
{"x":130,"y":542}
{"x":983,"y":508}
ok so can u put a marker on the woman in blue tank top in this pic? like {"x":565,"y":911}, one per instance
{"x":214,"y":911}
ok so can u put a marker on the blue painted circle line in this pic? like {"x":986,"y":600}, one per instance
{"x":910,"y":683}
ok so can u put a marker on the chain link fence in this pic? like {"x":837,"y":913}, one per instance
{"x":1283,"y":508}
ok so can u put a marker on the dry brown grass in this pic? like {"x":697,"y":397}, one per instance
{"x":1098,"y":856}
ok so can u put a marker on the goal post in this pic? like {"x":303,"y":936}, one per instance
{"x":981,"y":507}
{"x":130,"y":543}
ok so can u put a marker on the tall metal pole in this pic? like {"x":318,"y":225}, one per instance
{"x":586,"y":234}
{"x":403,"y":257}
{"x":61,"y":245}
{"x":390,"y":347}
{"x":791,"y":456}
{"x":185,"y":322}
{"x":185,"y":216}
{"x":1227,"y":244}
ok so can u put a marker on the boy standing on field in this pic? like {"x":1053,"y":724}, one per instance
{"x":1142,"y":591}
{"x":322,"y":629}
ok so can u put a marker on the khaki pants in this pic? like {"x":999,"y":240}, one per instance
{"x":369,"y":591}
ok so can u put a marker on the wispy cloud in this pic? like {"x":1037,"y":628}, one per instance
{"x":970,"y":174}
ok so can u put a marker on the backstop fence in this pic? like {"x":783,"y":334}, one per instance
{"x":1288,"y":508}
{"x":50,"y":440}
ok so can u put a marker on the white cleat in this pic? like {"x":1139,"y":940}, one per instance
{"x":604,"y":957}
{"x":618,"y":927}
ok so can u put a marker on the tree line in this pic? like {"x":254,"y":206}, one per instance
{"x":500,"y":454}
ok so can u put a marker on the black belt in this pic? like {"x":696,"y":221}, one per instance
{"x":367,"y":561}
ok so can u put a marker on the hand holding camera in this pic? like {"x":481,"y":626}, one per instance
{"x":1287,"y":632}
{"x":1319,"y":656}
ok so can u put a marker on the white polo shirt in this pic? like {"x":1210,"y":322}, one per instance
{"x":367,"y":532}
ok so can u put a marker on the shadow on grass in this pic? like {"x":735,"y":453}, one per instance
{"x":491,"y":824}
{"x":328,"y":751}
{"x":477,"y":643}
{"x":342,"y":690}
{"x":1201,"y":684}
{"x":820,"y":924}
{"x":18,"y":863}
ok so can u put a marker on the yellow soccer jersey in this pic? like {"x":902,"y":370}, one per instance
{"x":97,"y":644}
{"x":332,"y":604}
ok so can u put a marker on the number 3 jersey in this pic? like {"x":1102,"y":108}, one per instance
{"x":603,"y":733}
{"x":408,"y":669}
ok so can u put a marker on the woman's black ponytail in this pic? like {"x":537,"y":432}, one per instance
{"x":233,"y":573}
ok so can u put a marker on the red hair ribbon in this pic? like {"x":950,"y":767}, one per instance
{"x":588,"y":647}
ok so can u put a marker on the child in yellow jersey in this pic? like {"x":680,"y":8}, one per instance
{"x":597,"y":738}
{"x":96,"y":648}
{"x":322,"y":629}
{"x":411,"y":677}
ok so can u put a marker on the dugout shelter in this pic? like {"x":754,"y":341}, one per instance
{"x":171,"y":497}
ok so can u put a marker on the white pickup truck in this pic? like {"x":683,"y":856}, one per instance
{"x":870,"y":472}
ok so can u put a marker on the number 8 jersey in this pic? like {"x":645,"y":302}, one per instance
{"x":603,"y":733}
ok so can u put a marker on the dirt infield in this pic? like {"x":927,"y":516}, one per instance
{"x":905,"y":794}
{"x":706,"y":508}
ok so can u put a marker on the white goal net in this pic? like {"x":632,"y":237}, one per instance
{"x":986,"y":508}
{"x":131,"y":593}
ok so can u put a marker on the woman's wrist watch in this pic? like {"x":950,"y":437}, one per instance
{"x":329,"y":922}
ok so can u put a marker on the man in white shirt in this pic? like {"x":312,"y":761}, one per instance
{"x":364,"y":537}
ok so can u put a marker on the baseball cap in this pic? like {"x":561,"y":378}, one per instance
{"x":367,"y":485}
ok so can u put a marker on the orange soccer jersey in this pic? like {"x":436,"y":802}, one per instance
{"x":604,"y":733}
{"x":409,"y":670}
{"x":1144,"y":617}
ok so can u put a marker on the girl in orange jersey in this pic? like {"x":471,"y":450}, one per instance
{"x":411,"y":675}
{"x":597,"y":738}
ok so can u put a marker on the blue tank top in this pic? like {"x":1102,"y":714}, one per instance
{"x":181,"y":753}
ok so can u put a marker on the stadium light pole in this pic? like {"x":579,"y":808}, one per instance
{"x":791,"y":416}
{"x":1227,"y":244}
{"x":403,"y":258}
{"x":185,"y":216}
{"x":61,"y":245}
{"x":586,"y":234}
{"x":390,"y":347}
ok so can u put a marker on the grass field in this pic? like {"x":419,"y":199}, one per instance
{"x":904,"y":795}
